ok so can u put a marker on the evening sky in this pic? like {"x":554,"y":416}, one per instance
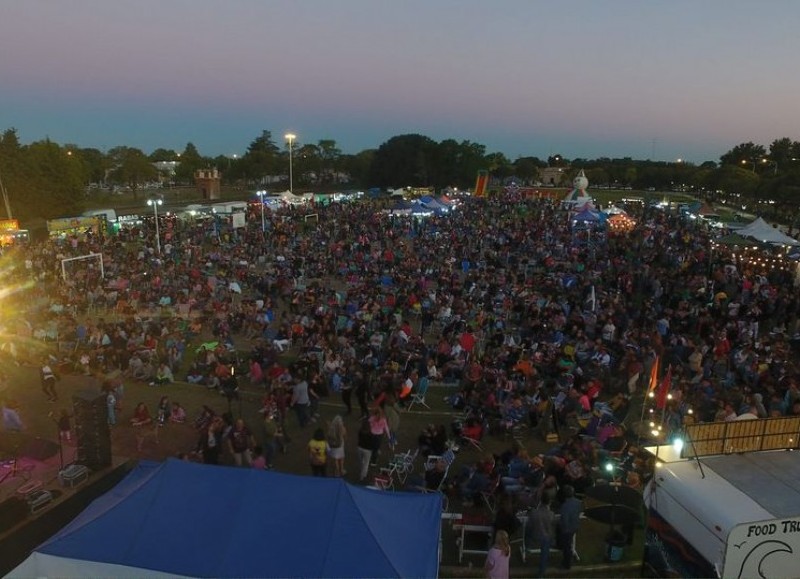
{"x":584,"y":78}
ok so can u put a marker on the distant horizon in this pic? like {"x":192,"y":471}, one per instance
{"x":242,"y":150}
{"x":580,"y":78}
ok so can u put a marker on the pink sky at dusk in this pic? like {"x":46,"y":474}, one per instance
{"x":581,"y":78}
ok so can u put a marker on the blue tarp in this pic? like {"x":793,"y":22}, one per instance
{"x":211,"y":521}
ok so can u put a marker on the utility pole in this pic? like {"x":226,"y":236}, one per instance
{"x":5,"y":199}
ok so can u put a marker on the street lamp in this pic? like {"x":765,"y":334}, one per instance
{"x":290,"y":137}
{"x":154,"y":203}
{"x":773,"y":163}
{"x":261,"y":195}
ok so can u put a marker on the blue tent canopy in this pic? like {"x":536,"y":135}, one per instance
{"x":402,"y":204}
{"x":588,"y":216}
{"x":434,"y":204}
{"x":208,"y":521}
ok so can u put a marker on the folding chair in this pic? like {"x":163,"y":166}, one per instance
{"x":383,"y":481}
{"x":472,"y":443}
{"x":402,"y":465}
{"x":418,"y":397}
{"x":448,"y":458}
{"x":490,"y":495}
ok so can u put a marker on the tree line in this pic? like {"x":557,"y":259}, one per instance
{"x":45,"y":179}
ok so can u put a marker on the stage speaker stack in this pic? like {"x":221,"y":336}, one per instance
{"x":92,"y":431}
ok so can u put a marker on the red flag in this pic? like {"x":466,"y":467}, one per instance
{"x":663,"y":389}
{"x":653,"y":382}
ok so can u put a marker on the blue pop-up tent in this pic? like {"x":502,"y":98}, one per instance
{"x":184,"y":519}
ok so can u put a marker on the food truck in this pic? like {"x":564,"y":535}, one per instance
{"x":727,"y":503}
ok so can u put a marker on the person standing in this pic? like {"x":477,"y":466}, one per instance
{"x":569,"y":519}
{"x":378,"y":427}
{"x":141,"y":418}
{"x":392,"y":415}
{"x":211,"y":440}
{"x":49,"y":378}
{"x":346,"y":387}
{"x":318,"y":453}
{"x":540,"y":531}
{"x":240,"y":443}
{"x":366,"y":442}
{"x":496,"y":565}
{"x":273,"y":439}
{"x":64,"y":425}
{"x":360,"y":387}
{"x":301,"y":402}
{"x":111,"y":407}
{"x":337,"y":435}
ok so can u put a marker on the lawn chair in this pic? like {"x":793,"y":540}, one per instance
{"x":418,"y":397}
{"x":490,"y":496}
{"x":384,"y":481}
{"x":448,"y":457}
{"x":402,"y":465}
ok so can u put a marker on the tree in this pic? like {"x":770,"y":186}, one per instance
{"x":307,"y":164}
{"x":131,"y":168}
{"x":744,"y":155}
{"x":527,"y":168}
{"x":499,"y":166}
{"x":781,"y":151}
{"x":166,"y":155}
{"x":597,"y":176}
{"x":261,"y":159}
{"x":358,"y":166}
{"x":734,"y":179}
{"x":329,"y":155}
{"x":54,"y":183}
{"x":96,"y":164}
{"x":189,"y":162}
{"x":402,"y":161}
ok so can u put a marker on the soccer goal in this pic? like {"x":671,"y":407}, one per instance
{"x":98,"y":256}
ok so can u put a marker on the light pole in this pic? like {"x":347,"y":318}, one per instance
{"x":290,"y":137}
{"x":261,"y":195}
{"x":154,"y":203}
{"x":773,"y":163}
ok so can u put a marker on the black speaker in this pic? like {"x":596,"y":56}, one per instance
{"x":12,"y":512}
{"x":92,"y":431}
{"x":39,"y":449}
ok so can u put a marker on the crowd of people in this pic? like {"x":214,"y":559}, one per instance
{"x":535,"y":324}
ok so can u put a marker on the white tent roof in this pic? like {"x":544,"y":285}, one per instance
{"x":763,"y":231}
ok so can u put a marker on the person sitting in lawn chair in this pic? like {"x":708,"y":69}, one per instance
{"x":513,"y":414}
{"x":469,"y":432}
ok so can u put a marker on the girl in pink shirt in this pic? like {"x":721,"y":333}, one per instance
{"x":496,"y":566}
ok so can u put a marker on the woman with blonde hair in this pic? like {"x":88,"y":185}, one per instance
{"x":496,"y":566}
{"x":337,"y":435}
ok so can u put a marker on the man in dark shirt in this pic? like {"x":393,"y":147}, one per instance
{"x":569,"y":518}
{"x":540,"y":531}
